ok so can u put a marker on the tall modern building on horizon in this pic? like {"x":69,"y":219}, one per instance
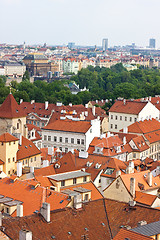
{"x":105,"y":44}
{"x":152,"y":43}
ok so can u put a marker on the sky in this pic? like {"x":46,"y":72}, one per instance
{"x":85,"y":22}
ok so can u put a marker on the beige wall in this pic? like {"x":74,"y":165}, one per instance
{"x":8,"y":153}
{"x":34,"y":161}
{"x":117,"y":191}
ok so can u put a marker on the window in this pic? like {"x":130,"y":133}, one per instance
{"x":23,"y":162}
{"x":121,"y":118}
{"x":130,"y":119}
{"x":74,"y":180}
{"x":72,"y":140}
{"x":49,"y":138}
{"x":2,"y":143}
{"x":116,"y":117}
{"x":82,"y":141}
{"x":111,"y":116}
{"x":14,"y":142}
{"x":17,"y":125}
{"x":91,"y":130}
{"x":86,"y":197}
{"x":13,"y":159}
{"x":31,"y":159}
{"x":42,"y":124}
{"x":60,"y":139}
{"x":32,"y":134}
{"x":60,"y":148}
{"x":115,"y":126}
{"x":111,"y":125}
{"x":66,"y":150}
{"x":66,"y":140}
{"x":34,"y":158}
{"x":55,"y":139}
{"x":9,"y":143}
{"x":125,"y":118}
{"x":45,"y":137}
{"x":78,"y":141}
{"x":26,"y":161}
{"x":34,"y":122}
{"x":38,"y":124}
{"x":62,"y":183}
{"x":134,"y":155}
{"x":84,"y":179}
{"x":8,"y":172}
{"x":7,"y":210}
{"x":135,"y":119}
{"x":9,"y":160}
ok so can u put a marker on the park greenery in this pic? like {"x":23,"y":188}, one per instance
{"x":102,"y":83}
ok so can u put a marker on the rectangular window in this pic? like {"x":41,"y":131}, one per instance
{"x":8,"y":172}
{"x":111,"y":116}
{"x":111,"y":125}
{"x":7,"y":210}
{"x":72,"y":140}
{"x":9,"y":143}
{"x":31,"y":159}
{"x":34,"y":158}
{"x":116,"y":117}
{"x":82,"y":141}
{"x":66,"y":140}
{"x":60,"y":148}
{"x":135,"y":119}
{"x":66,"y":150}
{"x":26,"y":161}
{"x":121,"y":118}
{"x":74,"y":180}
{"x":125,"y":118}
{"x":55,"y":139}
{"x":78,"y":141}
{"x":60,"y":139}
{"x":17,"y":125}
{"x":45,"y":137}
{"x":49,"y":138}
{"x":86,"y":197}
{"x":84,"y":179}
{"x":23,"y":162}
{"x":115,"y":126}
{"x":13,"y":159}
{"x":62,"y":183}
{"x":130,"y":119}
{"x":9,"y":160}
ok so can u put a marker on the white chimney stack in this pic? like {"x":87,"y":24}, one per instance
{"x":118,"y":173}
{"x":25,"y":235}
{"x":19,"y":169}
{"x":149,"y":179}
{"x":132,"y":187}
{"x":21,"y":100}
{"x":46,"y":105}
{"x":32,"y":101}
{"x":0,"y":219}
{"x":78,"y":201}
{"x":45,"y":211}
{"x":19,"y":210}
{"x":94,"y":110}
{"x":124,"y":141}
{"x":31,"y":169}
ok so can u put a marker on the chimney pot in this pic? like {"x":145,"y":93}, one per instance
{"x":132,"y":187}
{"x":25,"y":235}
{"x":45,"y":211}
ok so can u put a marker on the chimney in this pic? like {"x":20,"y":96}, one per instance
{"x":124,"y":140}
{"x":19,"y":169}
{"x":94,"y":110}
{"x":142,"y":223}
{"x":20,"y":139}
{"x":0,"y":219}
{"x":149,"y":180}
{"x":83,"y":154}
{"x":45,"y":163}
{"x":86,"y":105}
{"x":70,"y":104}
{"x":31,"y":169}
{"x":150,"y":98}
{"x":45,"y":211}
{"x":32,"y":101}
{"x":19,"y":210}
{"x":132,"y":187}
{"x":46,"y":105}
{"x":124,"y":101}
{"x":21,"y":100}
{"x":118,"y":173}
{"x":78,"y":201}
{"x":108,"y":134}
{"x":50,"y":150}
{"x":25,"y":235}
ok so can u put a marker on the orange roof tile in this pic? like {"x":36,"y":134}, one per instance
{"x":130,"y":235}
{"x":6,"y":137}
{"x":130,"y":107}
{"x":11,"y":109}
{"x":145,"y":198}
{"x":144,"y":127}
{"x":69,"y":126}
{"x":27,"y":149}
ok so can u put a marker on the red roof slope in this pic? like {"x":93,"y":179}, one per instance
{"x":27,"y":149}
{"x":145,"y":126}
{"x":69,"y":126}
{"x":129,"y":107}
{"x":127,"y":234}
{"x":6,"y":137}
{"x":11,"y":109}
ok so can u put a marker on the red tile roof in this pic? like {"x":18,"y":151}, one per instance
{"x":130,"y":235}
{"x":144,"y":198}
{"x":130,"y":107}
{"x":69,"y":126}
{"x":27,"y":149}
{"x":32,"y":198}
{"x":145,"y":126}
{"x":11,"y":109}
{"x":6,"y":137}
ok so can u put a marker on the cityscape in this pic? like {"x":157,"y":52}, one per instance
{"x":79,"y":120}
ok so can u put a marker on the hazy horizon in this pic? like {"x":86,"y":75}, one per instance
{"x":57,"y":22}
